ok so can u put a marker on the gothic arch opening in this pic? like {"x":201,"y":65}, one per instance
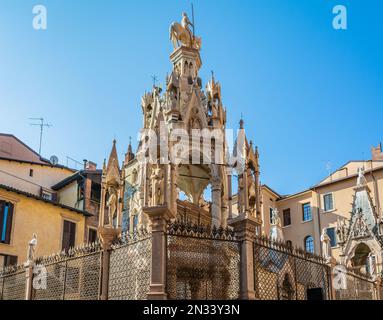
{"x":193,"y":182}
{"x":360,"y":259}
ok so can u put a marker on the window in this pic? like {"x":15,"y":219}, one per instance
{"x":289,"y":243}
{"x":69,"y":235}
{"x":95,"y":192}
{"x":7,"y":260}
{"x":306,"y":208}
{"x":286,"y":217}
{"x":92,"y":235}
{"x":80,"y":191}
{"x":328,"y":202}
{"x":332,"y":235}
{"x":31,"y":172}
{"x":309,"y":244}
{"x":271,"y":215}
{"x":47,"y":195}
{"x":6,"y":217}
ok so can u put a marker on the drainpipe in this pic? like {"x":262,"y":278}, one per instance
{"x":319,"y":220}
{"x":376,"y":190}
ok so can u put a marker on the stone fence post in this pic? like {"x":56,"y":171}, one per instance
{"x":332,"y":264}
{"x":244,"y":228}
{"x":107,"y":236}
{"x":377,"y":286}
{"x":28,"y":279}
{"x":159,"y":216}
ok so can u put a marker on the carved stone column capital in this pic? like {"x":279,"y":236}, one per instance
{"x":244,"y":226}
{"x":107,"y":236}
{"x":216,"y":183}
{"x":158,"y":215}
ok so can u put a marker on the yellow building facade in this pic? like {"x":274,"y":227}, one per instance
{"x":29,"y":205}
{"x":31,"y":215}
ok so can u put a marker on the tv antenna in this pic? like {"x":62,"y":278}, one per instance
{"x":329,"y":168}
{"x":42,"y":124}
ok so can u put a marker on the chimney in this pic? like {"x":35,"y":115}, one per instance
{"x":377,"y":153}
{"x":89,"y":165}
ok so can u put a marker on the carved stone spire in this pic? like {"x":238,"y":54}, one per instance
{"x":129,"y":156}
{"x":241,"y":124}
{"x":113,"y":168}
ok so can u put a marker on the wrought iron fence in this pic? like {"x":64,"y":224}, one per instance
{"x":355,"y":286}
{"x":203,"y":263}
{"x":285,"y":273}
{"x":130,"y":265}
{"x":12,"y":281}
{"x":72,"y":276}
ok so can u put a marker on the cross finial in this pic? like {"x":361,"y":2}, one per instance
{"x":241,"y":122}
{"x":154,"y":78}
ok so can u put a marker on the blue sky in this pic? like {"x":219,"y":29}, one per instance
{"x":309,"y":94}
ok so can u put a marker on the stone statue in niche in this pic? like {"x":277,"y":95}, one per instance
{"x":241,"y":189}
{"x":371,"y":264}
{"x":112,"y":204}
{"x":157,"y":179}
{"x":341,"y":231}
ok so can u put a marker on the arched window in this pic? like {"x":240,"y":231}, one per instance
{"x":309,"y":244}
{"x":289,"y":244}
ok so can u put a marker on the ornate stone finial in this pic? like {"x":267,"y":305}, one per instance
{"x":361,"y":181}
{"x":129,"y":156}
{"x":340,"y":231}
{"x":241,"y":123}
{"x":112,"y":168}
{"x":32,"y":247}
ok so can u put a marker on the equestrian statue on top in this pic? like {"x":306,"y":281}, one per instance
{"x":181,"y":35}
